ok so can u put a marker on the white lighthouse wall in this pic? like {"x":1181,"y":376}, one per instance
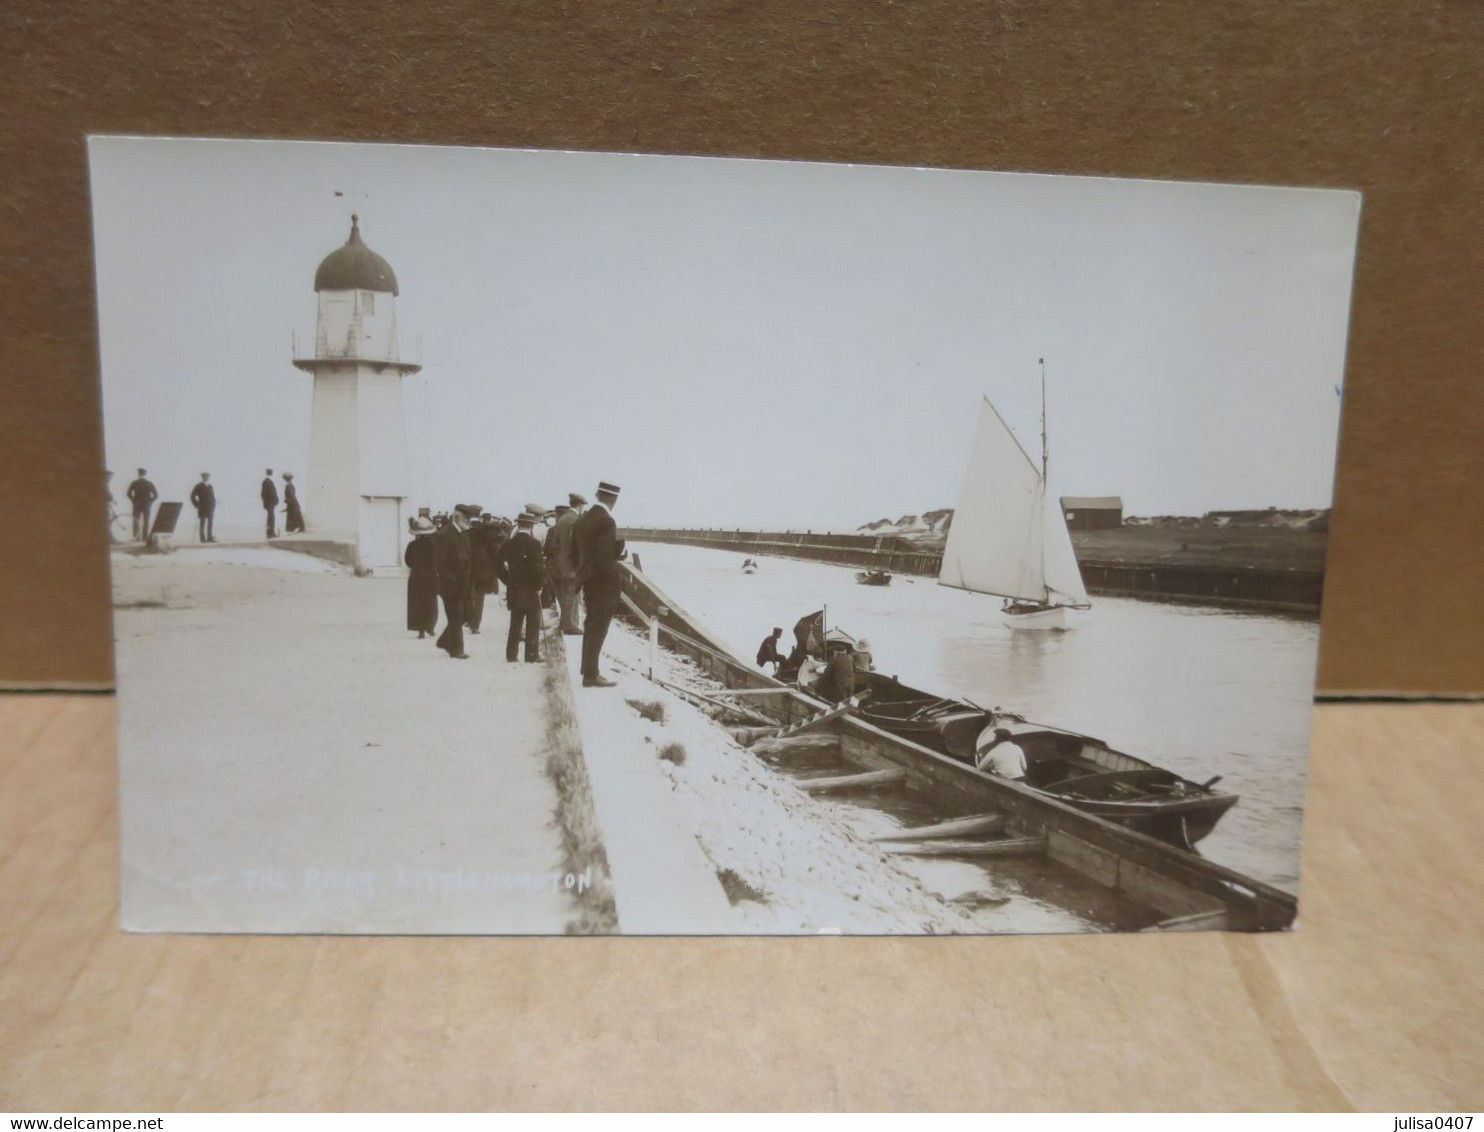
{"x":357,"y":324}
{"x":383,"y":432}
{"x":378,"y":325}
{"x":379,"y":539}
{"x":337,"y":311}
{"x":333,"y":501}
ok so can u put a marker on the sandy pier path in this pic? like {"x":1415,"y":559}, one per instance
{"x":292,"y":760}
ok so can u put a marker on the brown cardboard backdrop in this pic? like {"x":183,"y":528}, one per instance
{"x":1377,"y":95}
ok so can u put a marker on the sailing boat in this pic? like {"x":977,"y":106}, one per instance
{"x":1009,"y":537}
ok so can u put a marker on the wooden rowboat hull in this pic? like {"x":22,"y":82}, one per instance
{"x":1181,"y":817}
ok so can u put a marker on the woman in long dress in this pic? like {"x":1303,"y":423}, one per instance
{"x":422,"y":584}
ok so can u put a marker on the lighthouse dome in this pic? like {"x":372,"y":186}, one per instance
{"x":355,"y":267}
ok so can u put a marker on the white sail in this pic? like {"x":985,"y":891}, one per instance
{"x":996,"y":539}
{"x":1063,"y":576}
{"x":1008,"y":536}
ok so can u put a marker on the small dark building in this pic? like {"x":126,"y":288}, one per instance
{"x":1092,"y":512}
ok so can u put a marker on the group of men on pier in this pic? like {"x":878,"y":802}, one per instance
{"x":460,"y":557}
{"x":142,"y":495}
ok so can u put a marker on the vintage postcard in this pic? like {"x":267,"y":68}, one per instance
{"x":513,"y":542}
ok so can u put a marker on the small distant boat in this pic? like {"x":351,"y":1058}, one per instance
{"x":873,"y":577}
{"x":1009,"y":537}
{"x":749,"y":567}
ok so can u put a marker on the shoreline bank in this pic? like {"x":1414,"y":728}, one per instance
{"x":1235,"y":585}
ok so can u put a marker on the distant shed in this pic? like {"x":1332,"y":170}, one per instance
{"x":1092,"y":512}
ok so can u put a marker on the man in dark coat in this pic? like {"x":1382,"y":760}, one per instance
{"x":499,"y":535}
{"x":142,"y":495}
{"x":269,"y":495}
{"x":483,"y":576}
{"x":767,"y":652}
{"x":523,"y":570}
{"x":598,"y":551}
{"x":452,"y":568}
{"x":294,"y":522}
{"x":422,"y":578}
{"x":203,"y":499}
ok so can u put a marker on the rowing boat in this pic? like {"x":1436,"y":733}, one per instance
{"x":1077,"y":769}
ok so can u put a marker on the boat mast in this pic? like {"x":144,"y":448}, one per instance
{"x":1042,"y":362}
{"x":1045,"y":482}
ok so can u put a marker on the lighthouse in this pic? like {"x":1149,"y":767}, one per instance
{"x":358,"y":474}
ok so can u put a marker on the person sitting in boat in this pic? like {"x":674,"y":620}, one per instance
{"x":862,"y":656}
{"x":1016,"y":606}
{"x":838,"y":681}
{"x":767,"y":652}
{"x":1001,"y":756}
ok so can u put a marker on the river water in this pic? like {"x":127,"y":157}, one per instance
{"x":1203,"y":692}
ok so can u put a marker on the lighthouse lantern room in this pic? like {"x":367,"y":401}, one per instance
{"x":358,"y":474}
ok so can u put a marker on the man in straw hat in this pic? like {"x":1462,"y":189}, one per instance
{"x":523,"y":570}
{"x":598,"y":551}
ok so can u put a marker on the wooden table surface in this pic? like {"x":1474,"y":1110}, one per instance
{"x":1374,"y":1003}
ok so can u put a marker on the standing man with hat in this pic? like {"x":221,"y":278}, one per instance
{"x":452,"y":568}
{"x":595,"y":535}
{"x":203,"y":499}
{"x":561,"y":560}
{"x":269,"y":495}
{"x":522,"y":569}
{"x":142,"y":495}
{"x":482,"y":580}
{"x":295,"y":520}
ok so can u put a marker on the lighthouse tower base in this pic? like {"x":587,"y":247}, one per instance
{"x":358,"y":464}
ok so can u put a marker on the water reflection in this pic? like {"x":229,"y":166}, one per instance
{"x":1204,"y":692}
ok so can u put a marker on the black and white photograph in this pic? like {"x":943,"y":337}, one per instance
{"x":541,"y":543}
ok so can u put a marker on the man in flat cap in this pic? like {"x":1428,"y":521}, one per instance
{"x":268,"y":493}
{"x":561,"y":561}
{"x":522,"y":569}
{"x":203,"y":499}
{"x":598,"y":550}
{"x":451,"y":567}
{"x":142,"y":496}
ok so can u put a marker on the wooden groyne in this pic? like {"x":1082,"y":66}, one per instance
{"x":1182,"y":888}
{"x":1241,"y":587}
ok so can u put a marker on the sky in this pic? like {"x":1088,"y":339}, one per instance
{"x":737,"y":343}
